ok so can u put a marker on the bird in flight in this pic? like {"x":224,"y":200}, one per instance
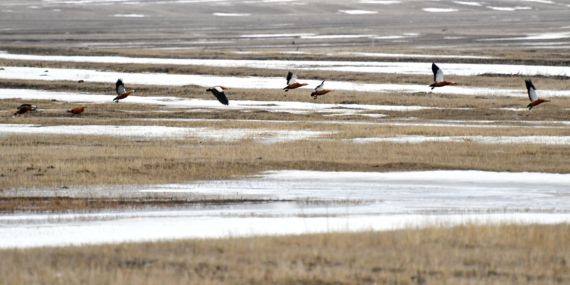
{"x":292,"y":82}
{"x":534,"y":100}
{"x":76,"y":111}
{"x":218,"y":91}
{"x":320,"y":90}
{"x":438,"y":77}
{"x":122,"y":93}
{"x":23,"y":109}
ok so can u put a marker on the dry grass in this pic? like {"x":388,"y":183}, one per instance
{"x":35,"y":161}
{"x":468,"y":254}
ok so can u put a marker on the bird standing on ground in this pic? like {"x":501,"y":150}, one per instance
{"x":76,"y":111}
{"x":438,"y":77}
{"x":218,"y":91}
{"x":122,"y":93}
{"x":292,"y":82}
{"x":320,"y":90}
{"x":534,"y":100}
{"x":23,"y":109}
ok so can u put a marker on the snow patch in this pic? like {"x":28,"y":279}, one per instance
{"x":357,"y":12}
{"x":231,"y":15}
{"x":129,"y":15}
{"x":468,"y":3}
{"x":547,"y":140}
{"x":440,"y":10}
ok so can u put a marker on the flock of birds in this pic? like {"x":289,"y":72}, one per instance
{"x":292,"y":83}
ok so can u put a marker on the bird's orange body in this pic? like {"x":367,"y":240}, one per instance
{"x":322,"y":92}
{"x":441,"y":84}
{"x":23,"y":110}
{"x":537,"y":102}
{"x":296,"y":85}
{"x":124,"y":95}
{"x":77,"y":111}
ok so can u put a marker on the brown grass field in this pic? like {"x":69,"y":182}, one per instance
{"x":468,"y":254}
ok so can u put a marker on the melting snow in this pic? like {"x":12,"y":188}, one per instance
{"x":548,"y":140}
{"x":162,"y":132}
{"x":379,"y":2}
{"x":463,"y":69}
{"x":129,"y":15}
{"x":468,"y":3}
{"x":230,"y":15}
{"x":357,"y":12}
{"x":440,"y":10}
{"x":397,"y":200}
{"x":509,"y":8}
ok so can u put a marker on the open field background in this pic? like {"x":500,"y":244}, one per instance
{"x":170,"y":162}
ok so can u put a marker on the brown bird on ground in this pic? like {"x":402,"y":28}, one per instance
{"x":218,"y":91}
{"x":320,"y":90}
{"x":438,"y":77}
{"x":76,"y":111}
{"x":24,"y":108}
{"x":534,"y":100}
{"x":292,"y":82}
{"x":121,"y":91}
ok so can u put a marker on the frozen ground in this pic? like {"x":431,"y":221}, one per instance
{"x":358,"y":201}
{"x":132,"y":79}
{"x":415,"y":68}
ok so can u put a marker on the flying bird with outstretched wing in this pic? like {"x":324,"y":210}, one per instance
{"x":438,"y":77}
{"x":122,"y":93}
{"x":24,"y":108}
{"x":292,"y":82}
{"x":218,"y":91}
{"x":534,"y":100}
{"x":320,"y":90}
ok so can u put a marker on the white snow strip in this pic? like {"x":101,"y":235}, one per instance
{"x":357,"y":12}
{"x":277,"y":35}
{"x":510,"y":9}
{"x":318,"y":37}
{"x":440,"y":10}
{"x":379,"y":2}
{"x":411,"y":55}
{"x":547,"y":140}
{"x":546,"y":36}
{"x":405,"y":199}
{"x":462,"y":69}
{"x":129,"y":15}
{"x":162,"y":132}
{"x":468,"y":3}
{"x":539,"y":1}
{"x":230,"y":15}
{"x":131,"y":79}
